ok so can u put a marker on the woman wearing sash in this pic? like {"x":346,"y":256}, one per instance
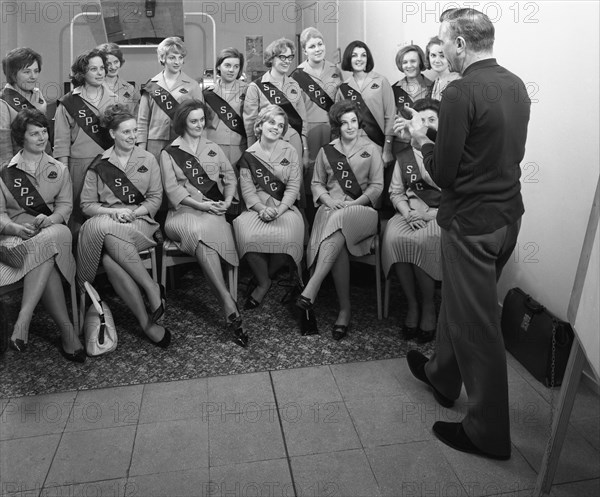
{"x":161,"y":96}
{"x":226,"y":100}
{"x":125,"y":91}
{"x":22,"y":67}
{"x":200,"y":185}
{"x":120,"y":196}
{"x":411,"y":241}
{"x":78,"y":136}
{"x":436,"y":60}
{"x":347,"y":183}
{"x":275,"y":87}
{"x":272,"y":228}
{"x":413,"y":86}
{"x":35,"y":245}
{"x":319,"y":80}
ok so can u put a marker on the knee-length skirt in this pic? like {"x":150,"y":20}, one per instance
{"x":284,"y":235}
{"x":419,"y":247}
{"x":358,"y":224}
{"x":18,"y":257}
{"x":91,"y":241}
{"x":188,"y":227}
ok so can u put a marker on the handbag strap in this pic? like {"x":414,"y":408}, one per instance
{"x":95,"y":298}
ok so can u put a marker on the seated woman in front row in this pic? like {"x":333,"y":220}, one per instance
{"x":272,"y":228}
{"x":411,"y":241}
{"x":347,"y":182}
{"x":121,"y":193}
{"x":36,"y":200}
{"x":200,"y":185}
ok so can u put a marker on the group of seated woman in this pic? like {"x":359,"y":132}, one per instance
{"x":252,"y":164}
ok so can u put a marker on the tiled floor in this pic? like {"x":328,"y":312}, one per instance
{"x":360,"y":429}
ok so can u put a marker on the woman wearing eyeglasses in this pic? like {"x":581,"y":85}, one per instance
{"x":275,"y":87}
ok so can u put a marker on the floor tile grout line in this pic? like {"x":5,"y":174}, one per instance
{"x":62,"y":433}
{"x":287,"y":454}
{"x":137,"y":425}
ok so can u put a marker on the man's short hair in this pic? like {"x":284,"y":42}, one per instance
{"x":474,"y":26}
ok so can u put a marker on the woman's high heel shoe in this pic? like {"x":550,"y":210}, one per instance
{"x":304,"y":303}
{"x":77,"y":356}
{"x":160,"y":310}
{"x":234,"y":323}
{"x":164,"y":342}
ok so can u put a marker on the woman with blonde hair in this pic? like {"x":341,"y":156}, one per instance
{"x":162,"y":94}
{"x":271,"y":229}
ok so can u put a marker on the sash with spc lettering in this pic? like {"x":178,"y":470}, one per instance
{"x":411,"y":177}
{"x":117,"y":181}
{"x":163,"y":98}
{"x":263,"y":176}
{"x":225,"y":112}
{"x":18,"y":102}
{"x":22,"y":189}
{"x":343,"y":172}
{"x":401,"y":97}
{"x":277,"y":97}
{"x":370,"y":125}
{"x":314,"y":91}
{"x":86,"y":119}
{"x":195,"y":173}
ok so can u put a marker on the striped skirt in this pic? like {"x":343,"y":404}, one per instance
{"x":284,"y":235}
{"x":187,"y":227}
{"x":91,"y":241}
{"x":358,"y":224}
{"x":18,"y":256}
{"x":419,"y":247}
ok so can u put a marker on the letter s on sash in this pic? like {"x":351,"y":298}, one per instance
{"x":82,"y":113}
{"x":17,"y":182}
{"x":118,"y":182}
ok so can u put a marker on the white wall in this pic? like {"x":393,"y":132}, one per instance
{"x":554,"y":48}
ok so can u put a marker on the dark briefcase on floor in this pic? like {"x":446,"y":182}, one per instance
{"x":535,"y":337}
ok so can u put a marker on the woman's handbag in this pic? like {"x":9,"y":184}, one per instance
{"x":535,"y":337}
{"x":98,"y":326}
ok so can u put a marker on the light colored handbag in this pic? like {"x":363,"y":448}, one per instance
{"x":98,"y":326}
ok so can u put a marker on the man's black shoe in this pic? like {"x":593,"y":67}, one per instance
{"x":453,"y":435}
{"x":416,"y":363}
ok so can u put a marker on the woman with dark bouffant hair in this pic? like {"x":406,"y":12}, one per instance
{"x":374,"y":94}
{"x":271,"y":229}
{"x":22,"y":67}
{"x":125,"y":91}
{"x":347,"y":183}
{"x":35,"y":204}
{"x":436,"y":60}
{"x":78,"y":136}
{"x":200,"y":185}
{"x":121,"y":194}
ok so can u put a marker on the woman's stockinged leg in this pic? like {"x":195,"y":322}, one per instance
{"x":126,"y":255}
{"x":129,"y":292}
{"x":34,"y":284}
{"x":341,"y":278}
{"x":329,"y":251}
{"x":210,"y":262}
{"x":54,"y":301}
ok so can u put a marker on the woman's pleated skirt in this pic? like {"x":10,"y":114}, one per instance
{"x":419,"y":247}
{"x":284,"y":235}
{"x":18,"y":257}
{"x":188,"y":227}
{"x":91,"y":241}
{"x":358,"y":224}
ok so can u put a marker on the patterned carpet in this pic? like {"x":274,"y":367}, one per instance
{"x":200,"y":345}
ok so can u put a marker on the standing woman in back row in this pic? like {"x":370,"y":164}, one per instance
{"x":78,"y":136}
{"x":125,"y":91}
{"x":161,"y":96}
{"x":319,"y":80}
{"x":21,"y":67}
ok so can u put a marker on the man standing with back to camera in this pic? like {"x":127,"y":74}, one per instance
{"x":476,"y":162}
